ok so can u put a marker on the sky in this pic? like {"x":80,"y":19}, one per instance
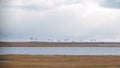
{"x":65,"y":20}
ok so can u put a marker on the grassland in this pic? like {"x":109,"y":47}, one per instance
{"x":58,"y":61}
{"x":59,"y":44}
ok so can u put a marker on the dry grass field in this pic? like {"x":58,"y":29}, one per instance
{"x":58,"y":61}
{"x":59,"y":44}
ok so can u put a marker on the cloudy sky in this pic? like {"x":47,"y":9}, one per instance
{"x":60,"y":19}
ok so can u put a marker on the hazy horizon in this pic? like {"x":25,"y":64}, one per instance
{"x":65,"y":20}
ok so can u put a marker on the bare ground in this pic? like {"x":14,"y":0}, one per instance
{"x":59,"y":44}
{"x":58,"y":61}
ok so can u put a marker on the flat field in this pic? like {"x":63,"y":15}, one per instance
{"x":58,"y":61}
{"x":59,"y":44}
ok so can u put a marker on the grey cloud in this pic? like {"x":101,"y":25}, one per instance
{"x":111,"y":4}
{"x":33,"y":8}
{"x":73,"y":1}
{"x":39,"y":7}
{"x":4,"y":4}
{"x":66,"y":22}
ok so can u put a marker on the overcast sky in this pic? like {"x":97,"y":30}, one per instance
{"x":60,"y":19}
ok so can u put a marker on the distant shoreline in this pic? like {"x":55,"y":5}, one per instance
{"x":59,"y":44}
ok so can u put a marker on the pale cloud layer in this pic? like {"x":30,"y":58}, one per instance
{"x":60,"y":19}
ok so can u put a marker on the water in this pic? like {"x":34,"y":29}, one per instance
{"x":61,"y":50}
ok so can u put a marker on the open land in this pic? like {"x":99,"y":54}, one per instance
{"x":58,"y":61}
{"x":59,"y":44}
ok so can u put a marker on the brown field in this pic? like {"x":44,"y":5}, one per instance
{"x":61,"y":61}
{"x":59,"y":44}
